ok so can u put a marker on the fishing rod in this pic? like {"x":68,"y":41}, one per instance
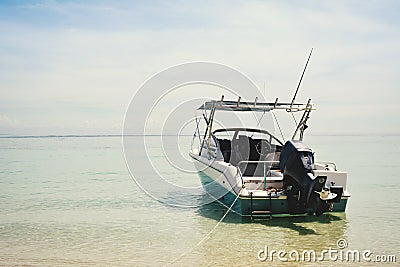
{"x":301,"y":78}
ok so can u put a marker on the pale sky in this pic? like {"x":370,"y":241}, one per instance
{"x":71,"y":67}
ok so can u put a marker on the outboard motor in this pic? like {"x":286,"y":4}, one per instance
{"x":302,"y":187}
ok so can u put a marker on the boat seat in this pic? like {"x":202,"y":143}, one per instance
{"x":226,"y":150}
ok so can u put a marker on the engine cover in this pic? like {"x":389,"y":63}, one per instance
{"x":297,"y":163}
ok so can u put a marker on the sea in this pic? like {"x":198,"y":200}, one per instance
{"x":75,"y":201}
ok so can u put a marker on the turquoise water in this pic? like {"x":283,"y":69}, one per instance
{"x":71,"y":201}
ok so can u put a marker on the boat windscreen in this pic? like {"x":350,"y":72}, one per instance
{"x":233,"y":133}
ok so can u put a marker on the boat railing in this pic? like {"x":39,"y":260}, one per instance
{"x":264,"y":162}
{"x":326,"y":163}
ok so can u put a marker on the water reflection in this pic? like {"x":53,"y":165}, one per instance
{"x":241,"y":237}
{"x":215,"y":211}
{"x":335,"y":223}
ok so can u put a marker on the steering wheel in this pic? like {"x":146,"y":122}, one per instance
{"x":263,"y":148}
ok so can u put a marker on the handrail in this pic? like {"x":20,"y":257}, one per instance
{"x":327,"y":163}
{"x":257,"y":161}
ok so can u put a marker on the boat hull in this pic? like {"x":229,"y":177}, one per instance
{"x":251,"y":206}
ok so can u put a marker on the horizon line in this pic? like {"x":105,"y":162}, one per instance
{"x":4,"y":136}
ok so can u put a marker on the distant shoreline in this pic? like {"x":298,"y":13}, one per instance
{"x":5,"y":136}
{"x":84,"y":135}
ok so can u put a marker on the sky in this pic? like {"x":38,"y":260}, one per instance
{"x":72,"y":67}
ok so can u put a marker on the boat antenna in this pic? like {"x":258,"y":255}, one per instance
{"x":301,"y":78}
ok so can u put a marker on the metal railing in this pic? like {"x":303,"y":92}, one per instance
{"x":327,"y":163}
{"x":264,"y":162}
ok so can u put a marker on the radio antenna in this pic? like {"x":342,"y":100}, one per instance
{"x":301,"y":78}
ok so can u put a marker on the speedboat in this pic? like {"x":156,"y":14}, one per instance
{"x":255,"y":173}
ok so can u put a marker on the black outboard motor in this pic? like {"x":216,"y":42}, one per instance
{"x":297,"y":163}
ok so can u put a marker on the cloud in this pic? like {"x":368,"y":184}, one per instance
{"x":81,"y":62}
{"x":7,"y":121}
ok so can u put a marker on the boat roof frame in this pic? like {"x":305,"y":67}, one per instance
{"x":254,"y":106}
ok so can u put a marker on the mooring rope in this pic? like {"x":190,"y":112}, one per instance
{"x":204,"y":238}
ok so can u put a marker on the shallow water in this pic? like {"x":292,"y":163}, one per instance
{"x":71,"y":201}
